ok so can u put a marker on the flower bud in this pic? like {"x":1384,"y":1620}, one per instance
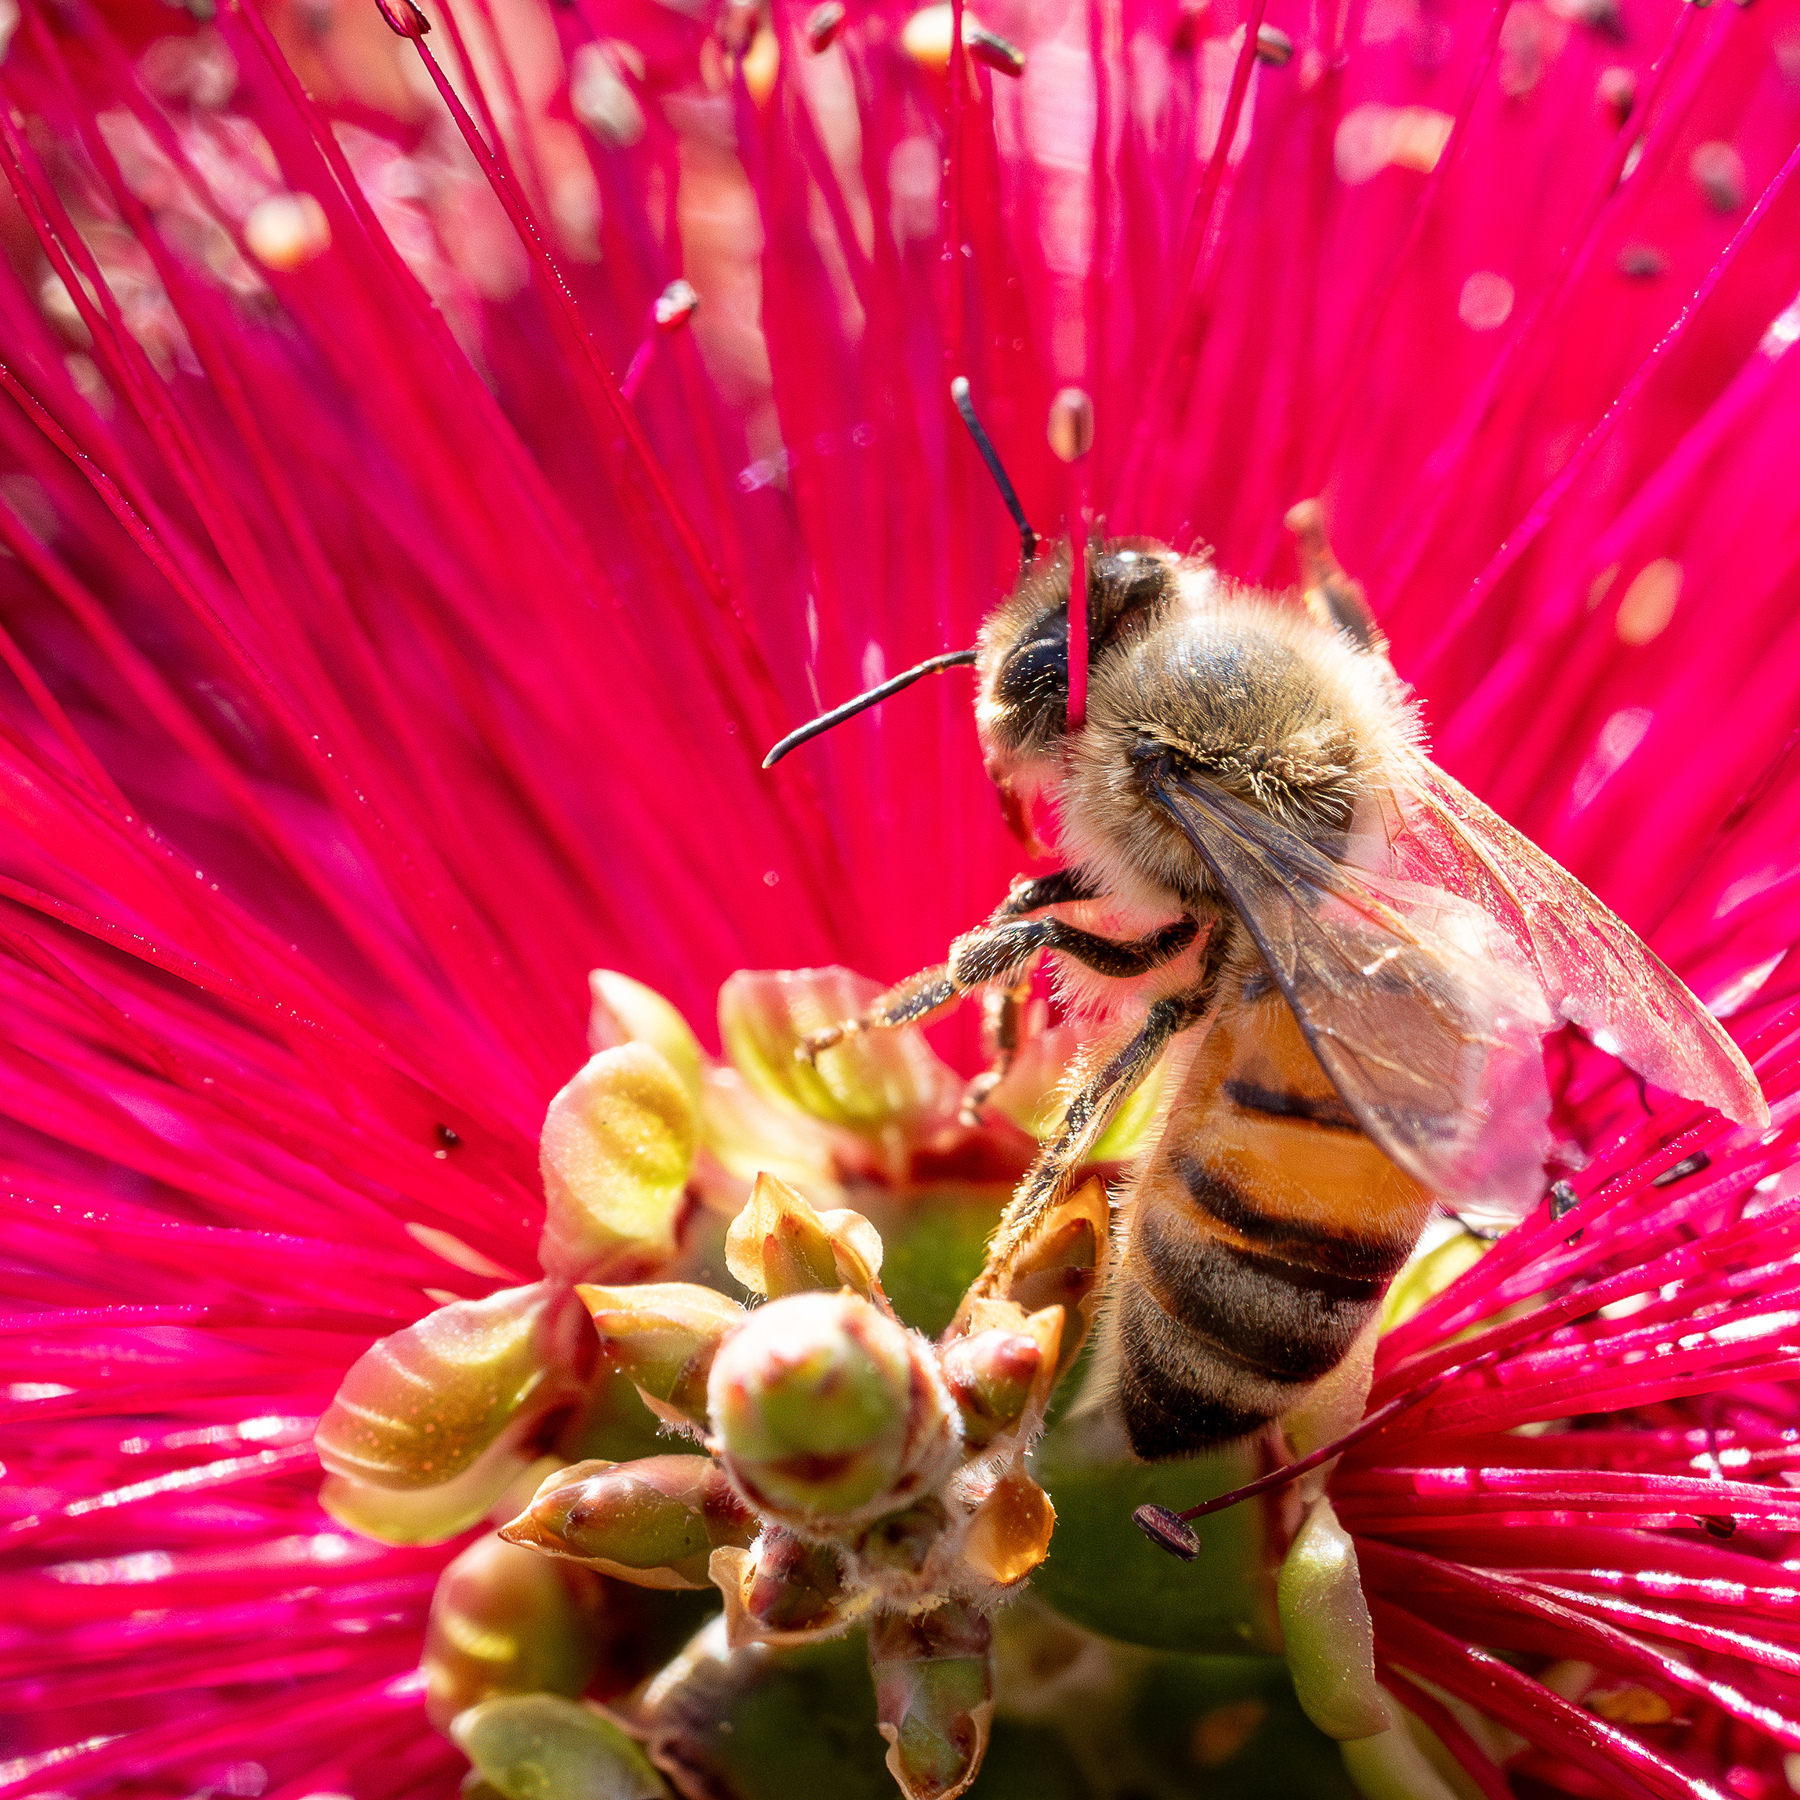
{"x":1330,"y":1641}
{"x":615,"y":1152}
{"x":828,"y":1413}
{"x":420,"y":1407}
{"x":664,"y":1335}
{"x":531,"y":1746}
{"x":655,"y":1522}
{"x":1001,"y":1367}
{"x":784,"y":1591}
{"x":504,"y":1622}
{"x":623,"y":1011}
{"x":868,"y":1082}
{"x":779,"y":1245}
{"x":934,"y":1697}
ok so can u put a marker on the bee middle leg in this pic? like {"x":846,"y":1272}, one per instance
{"x":1094,"y":1107}
{"x":1002,"y":954}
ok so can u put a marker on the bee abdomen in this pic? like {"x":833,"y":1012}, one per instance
{"x":1229,"y":1312}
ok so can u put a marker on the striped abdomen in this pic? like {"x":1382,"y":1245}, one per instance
{"x":1264,"y":1229}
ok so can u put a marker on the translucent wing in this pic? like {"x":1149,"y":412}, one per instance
{"x":1417,"y":1009}
{"x":1595,"y":970}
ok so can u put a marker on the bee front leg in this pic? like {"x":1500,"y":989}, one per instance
{"x":1001,"y":954}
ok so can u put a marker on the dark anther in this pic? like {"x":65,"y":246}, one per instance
{"x":1689,"y":1165}
{"x":448,"y":1138}
{"x":992,"y":50}
{"x":1563,"y":1201}
{"x":1273,"y":47}
{"x":1718,"y":1525}
{"x":1167,"y":1531}
{"x":823,"y":24}
{"x":403,"y":18}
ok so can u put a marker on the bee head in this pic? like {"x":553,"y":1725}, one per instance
{"x":1023,"y":653}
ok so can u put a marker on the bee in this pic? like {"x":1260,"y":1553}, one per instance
{"x":1348,"y":959}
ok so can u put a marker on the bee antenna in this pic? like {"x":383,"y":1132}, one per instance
{"x":959,"y":392}
{"x":951,"y":659}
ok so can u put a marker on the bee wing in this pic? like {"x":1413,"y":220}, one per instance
{"x":1592,"y":966}
{"x":1418,"y":1011}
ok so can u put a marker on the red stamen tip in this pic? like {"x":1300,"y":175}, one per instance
{"x":404,"y":18}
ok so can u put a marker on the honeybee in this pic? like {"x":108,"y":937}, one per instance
{"x":1350,"y":960}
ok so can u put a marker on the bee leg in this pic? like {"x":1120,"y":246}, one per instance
{"x":1001,"y":953}
{"x":1333,"y":598}
{"x":1005,"y":1009}
{"x":1044,"y":890}
{"x":1093,"y":1108}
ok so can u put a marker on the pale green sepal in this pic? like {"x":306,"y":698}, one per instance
{"x":624,"y":1011}
{"x":617,"y":1146}
{"x":404,"y":1516}
{"x":543,"y":1747}
{"x":1330,"y":1642}
{"x":1391,"y":1766}
{"x":869,"y":1082}
{"x":418,"y":1408}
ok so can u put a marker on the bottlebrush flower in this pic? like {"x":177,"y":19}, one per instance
{"x":378,"y":668}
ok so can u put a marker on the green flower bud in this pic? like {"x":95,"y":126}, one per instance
{"x":779,"y":1245}
{"x":421,"y":1407}
{"x":623,"y":1011}
{"x":506,"y":1622}
{"x":655,"y":1522}
{"x":868,"y":1082}
{"x":934,"y":1694}
{"x":992,"y":1374}
{"x":616,"y":1149}
{"x":1329,"y":1638}
{"x":664,"y":1335}
{"x":543,"y":1747}
{"x":827,"y":1413}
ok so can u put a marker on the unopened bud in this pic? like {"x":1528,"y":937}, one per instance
{"x":823,"y":24}
{"x":991,"y":1374}
{"x":617,"y":1145}
{"x":504,"y":1622}
{"x":1071,"y":424}
{"x":664,"y":1335}
{"x":533,"y":1745}
{"x":420,"y":1407}
{"x":784,"y":1591}
{"x":779,"y":1245}
{"x":902,"y":1542}
{"x":826,"y":1412}
{"x":1330,"y":1642}
{"x":654,"y":1522}
{"x":934,"y":1697}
